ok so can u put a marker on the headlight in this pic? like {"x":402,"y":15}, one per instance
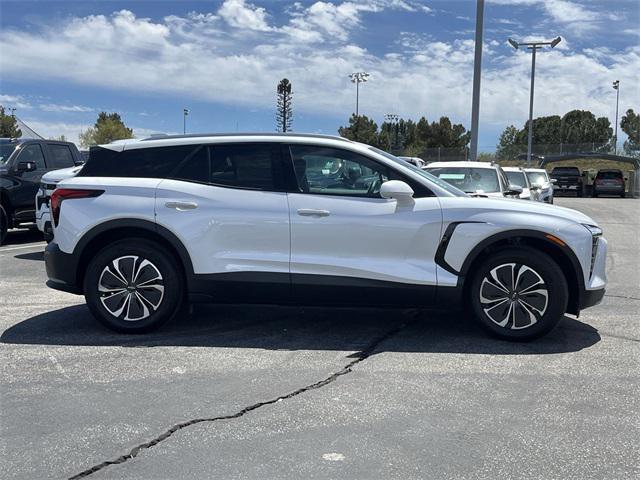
{"x":595,"y":231}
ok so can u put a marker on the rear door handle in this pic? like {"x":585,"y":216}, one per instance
{"x":181,"y":206}
{"x":312,"y":212}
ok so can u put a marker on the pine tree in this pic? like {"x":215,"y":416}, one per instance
{"x":284,"y":113}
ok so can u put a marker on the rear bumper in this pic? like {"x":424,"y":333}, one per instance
{"x":61,"y":270}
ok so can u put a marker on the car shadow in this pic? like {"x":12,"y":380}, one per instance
{"x":31,"y":256}
{"x":299,"y":328}
{"x":23,"y":235}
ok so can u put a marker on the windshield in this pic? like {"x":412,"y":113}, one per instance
{"x":470,"y":180}
{"x":444,"y":185}
{"x":6,"y":149}
{"x":537,"y":178}
{"x":517,"y":178}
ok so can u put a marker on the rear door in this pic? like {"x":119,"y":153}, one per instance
{"x":227,"y":205}
{"x":29,"y":182}
{"x":349,"y":245}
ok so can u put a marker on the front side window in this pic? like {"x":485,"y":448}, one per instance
{"x":469,"y":180}
{"x":32,"y":153}
{"x":331,"y":171}
{"x":61,"y":156}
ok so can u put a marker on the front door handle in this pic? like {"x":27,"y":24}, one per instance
{"x":313,"y":212}
{"x":181,"y":206}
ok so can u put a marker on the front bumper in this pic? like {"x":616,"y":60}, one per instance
{"x":591,"y":297}
{"x":61,"y":269}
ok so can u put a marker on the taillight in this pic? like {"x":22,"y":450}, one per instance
{"x":60,"y":194}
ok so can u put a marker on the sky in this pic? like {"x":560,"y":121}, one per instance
{"x":62,"y":62}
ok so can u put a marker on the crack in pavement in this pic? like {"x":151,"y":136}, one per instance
{"x":621,"y":296}
{"x":359,"y":357}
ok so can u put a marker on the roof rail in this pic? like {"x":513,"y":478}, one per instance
{"x":163,"y":136}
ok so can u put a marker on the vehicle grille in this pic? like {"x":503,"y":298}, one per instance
{"x":594,"y":252}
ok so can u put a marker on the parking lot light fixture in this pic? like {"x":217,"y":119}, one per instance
{"x":185,"y":113}
{"x":357,"y":78}
{"x":534,"y":47}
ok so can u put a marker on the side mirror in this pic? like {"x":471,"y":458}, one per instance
{"x":26,"y":166}
{"x":513,"y":190}
{"x":554,"y":180}
{"x":397,"y":190}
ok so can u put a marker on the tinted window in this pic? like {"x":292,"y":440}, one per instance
{"x":254,"y":166}
{"x":32,"y":153}
{"x":565,"y":171}
{"x":157,"y":162}
{"x":194,"y":168}
{"x":609,"y":175}
{"x":61,"y":156}
{"x":332,"y":171}
{"x":516,"y":178}
{"x":468,"y":180}
{"x":6,"y":149}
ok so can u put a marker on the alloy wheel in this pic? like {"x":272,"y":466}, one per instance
{"x":514,"y":296}
{"x":131,"y":288}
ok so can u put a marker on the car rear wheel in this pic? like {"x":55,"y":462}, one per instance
{"x":133,"y":286}
{"x":519,"y":294}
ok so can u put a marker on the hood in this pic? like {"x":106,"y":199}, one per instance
{"x":519,"y":206}
{"x":56,"y":176}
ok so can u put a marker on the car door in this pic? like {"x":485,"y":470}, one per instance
{"x":228,"y":206}
{"x":28,"y":181}
{"x":349,"y":245}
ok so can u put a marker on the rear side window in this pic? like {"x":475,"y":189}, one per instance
{"x":157,"y":162}
{"x":253,"y":166}
{"x":61,"y":156}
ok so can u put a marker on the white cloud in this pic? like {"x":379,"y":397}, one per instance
{"x":188,"y":57}
{"x":239,"y":14}
{"x":14,"y":101}
{"x":54,"y":107}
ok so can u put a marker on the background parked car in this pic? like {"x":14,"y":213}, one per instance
{"x":478,"y":178}
{"x":568,"y":179}
{"x":47,"y":186}
{"x":417,"y":161}
{"x":23,"y":162}
{"x":517,"y":176}
{"x":540,"y":177}
{"x":609,"y":182}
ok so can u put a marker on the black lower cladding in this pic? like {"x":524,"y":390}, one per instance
{"x":267,"y":287}
{"x":61,"y":269}
{"x":589,"y":298}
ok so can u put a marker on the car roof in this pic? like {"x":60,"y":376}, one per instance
{"x":541,"y":170}
{"x":612,"y":170}
{"x":512,"y":169}
{"x":462,"y":164}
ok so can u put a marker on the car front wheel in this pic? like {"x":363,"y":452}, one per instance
{"x":519,"y":294}
{"x":133,"y":286}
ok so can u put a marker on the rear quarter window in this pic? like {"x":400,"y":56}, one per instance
{"x":157,"y":162}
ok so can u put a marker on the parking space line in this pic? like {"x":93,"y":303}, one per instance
{"x":21,"y":247}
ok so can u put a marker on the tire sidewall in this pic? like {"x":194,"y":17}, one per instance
{"x":172,"y":280}
{"x":4,"y":224}
{"x":557,"y":289}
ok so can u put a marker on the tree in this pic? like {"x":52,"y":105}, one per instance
{"x":8,"y":125}
{"x":508,"y":146}
{"x":361,"y":129}
{"x":582,"y":126}
{"x":108,"y":127}
{"x":630,"y":124}
{"x":284,"y":113}
{"x":61,"y":138}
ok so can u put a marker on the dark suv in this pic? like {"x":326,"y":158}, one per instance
{"x":22,"y":164}
{"x":568,"y":179}
{"x":609,"y":182}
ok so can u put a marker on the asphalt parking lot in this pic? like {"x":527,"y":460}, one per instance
{"x":281,"y":392}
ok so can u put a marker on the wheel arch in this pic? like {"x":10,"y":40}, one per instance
{"x":562,"y":255}
{"x":103,"y":234}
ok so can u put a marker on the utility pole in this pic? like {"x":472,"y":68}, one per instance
{"x":616,"y":87}
{"x":357,"y":78}
{"x":392,"y":119}
{"x":477,"y":72}
{"x":185,"y":112}
{"x":534,"y":47}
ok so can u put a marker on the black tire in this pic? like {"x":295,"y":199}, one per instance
{"x":580,"y":192}
{"x":160,"y":270}
{"x":524,"y":321}
{"x":622,"y":195}
{"x":594,"y":195}
{"x":4,"y":224}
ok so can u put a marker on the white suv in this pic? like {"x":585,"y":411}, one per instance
{"x":148,"y":225}
{"x":483,"y":179}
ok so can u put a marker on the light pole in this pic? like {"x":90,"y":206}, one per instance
{"x":392,"y":118}
{"x":477,"y":71}
{"x":185,"y":112}
{"x":616,"y":87}
{"x":534,"y":47}
{"x":357,"y":78}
